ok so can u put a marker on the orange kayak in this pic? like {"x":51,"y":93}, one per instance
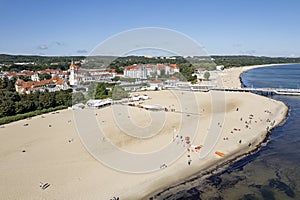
{"x":220,"y":153}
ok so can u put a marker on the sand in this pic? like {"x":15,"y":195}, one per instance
{"x":56,"y":155}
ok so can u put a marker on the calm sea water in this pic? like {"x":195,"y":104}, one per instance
{"x":272,"y":172}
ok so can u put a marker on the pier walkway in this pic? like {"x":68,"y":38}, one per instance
{"x":268,"y":91}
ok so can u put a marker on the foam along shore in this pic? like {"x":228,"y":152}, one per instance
{"x":49,"y":150}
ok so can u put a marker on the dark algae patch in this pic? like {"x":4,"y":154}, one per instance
{"x":281,"y":186}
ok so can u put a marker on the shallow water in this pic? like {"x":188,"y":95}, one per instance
{"x":272,"y":172}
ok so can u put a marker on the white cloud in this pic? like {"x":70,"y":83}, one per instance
{"x":43,"y":47}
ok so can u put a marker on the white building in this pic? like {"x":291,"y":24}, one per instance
{"x":136,"y":71}
{"x":35,"y":77}
{"x":220,"y":67}
{"x":78,"y":75}
{"x":143,"y":71}
{"x":73,"y":74}
{"x":156,"y":85}
{"x":172,"y":81}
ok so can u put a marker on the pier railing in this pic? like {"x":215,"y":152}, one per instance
{"x":277,"y":91}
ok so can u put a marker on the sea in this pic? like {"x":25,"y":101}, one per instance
{"x":271,"y":173}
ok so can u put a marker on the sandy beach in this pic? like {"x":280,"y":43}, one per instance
{"x":49,"y":149}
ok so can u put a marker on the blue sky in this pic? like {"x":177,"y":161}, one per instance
{"x":256,"y":27}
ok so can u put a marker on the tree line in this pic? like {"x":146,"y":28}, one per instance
{"x":40,"y":62}
{"x":12,"y":103}
{"x":237,"y":61}
{"x":11,"y":59}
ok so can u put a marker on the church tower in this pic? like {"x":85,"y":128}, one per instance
{"x":73,"y":73}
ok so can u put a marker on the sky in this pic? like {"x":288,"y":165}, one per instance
{"x":70,"y":27}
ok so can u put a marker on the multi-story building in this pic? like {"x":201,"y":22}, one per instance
{"x":54,"y":84}
{"x":79,"y":75}
{"x":144,"y":71}
{"x":136,"y":71}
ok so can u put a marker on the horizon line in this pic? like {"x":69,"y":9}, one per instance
{"x":212,"y":55}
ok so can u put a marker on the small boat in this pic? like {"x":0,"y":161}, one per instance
{"x":220,"y":153}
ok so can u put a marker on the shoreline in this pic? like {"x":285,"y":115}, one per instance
{"x":214,"y":169}
{"x":231,"y":77}
{"x":219,"y":167}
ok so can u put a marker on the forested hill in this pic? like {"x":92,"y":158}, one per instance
{"x":10,"y":59}
{"x":236,"y":61}
{"x":35,"y":63}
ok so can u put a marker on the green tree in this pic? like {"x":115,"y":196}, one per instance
{"x":19,"y":107}
{"x":28,"y":105}
{"x":13,"y":96}
{"x":187,"y":71}
{"x":47,"y":100}
{"x":194,"y":80}
{"x":7,"y":108}
{"x":9,"y":84}
{"x":44,"y":76}
{"x":77,"y":97}
{"x":63,"y":98}
{"x":25,"y":78}
{"x":119,"y":93}
{"x":116,"y":78}
{"x":206,"y":75}
{"x":101,"y":92}
{"x":91,"y":91}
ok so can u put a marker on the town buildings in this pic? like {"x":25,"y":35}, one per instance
{"x":54,"y":84}
{"x":151,"y":76}
{"x":144,"y":71}
{"x":60,"y":80}
{"x":80,"y":75}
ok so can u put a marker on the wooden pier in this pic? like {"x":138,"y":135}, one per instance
{"x":267,"y":91}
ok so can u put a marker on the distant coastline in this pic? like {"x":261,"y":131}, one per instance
{"x":247,"y":68}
